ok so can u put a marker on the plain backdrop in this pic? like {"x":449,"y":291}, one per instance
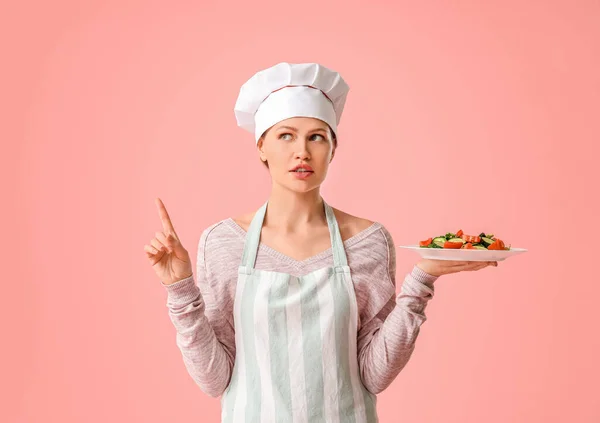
{"x":481,"y":116}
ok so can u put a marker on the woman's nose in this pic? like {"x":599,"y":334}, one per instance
{"x":302,"y":152}
{"x":302,"y":157}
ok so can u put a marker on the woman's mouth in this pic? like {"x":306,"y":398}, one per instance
{"x":301,"y":174}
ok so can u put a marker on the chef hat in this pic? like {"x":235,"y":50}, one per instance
{"x":288,"y":90}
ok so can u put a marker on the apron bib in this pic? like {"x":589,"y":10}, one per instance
{"x":295,"y":336}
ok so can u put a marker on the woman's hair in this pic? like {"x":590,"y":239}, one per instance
{"x":330,"y":131}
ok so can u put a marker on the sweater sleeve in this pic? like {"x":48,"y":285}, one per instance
{"x":204,"y":337}
{"x":386,"y":342}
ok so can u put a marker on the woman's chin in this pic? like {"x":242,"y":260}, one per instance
{"x":301,"y":186}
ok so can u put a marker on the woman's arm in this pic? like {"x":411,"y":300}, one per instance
{"x":205,"y":336}
{"x":386,"y":342}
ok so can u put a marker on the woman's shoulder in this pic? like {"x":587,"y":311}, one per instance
{"x":218,"y":242}
{"x":221,"y":230}
{"x":351,"y":225}
{"x":369,"y":232}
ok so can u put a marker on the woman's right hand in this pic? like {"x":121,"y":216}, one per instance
{"x":170,"y":260}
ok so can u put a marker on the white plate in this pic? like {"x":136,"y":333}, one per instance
{"x":463,"y":254}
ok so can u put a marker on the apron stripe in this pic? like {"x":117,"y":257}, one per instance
{"x":330,"y":365}
{"x":296,"y":351}
{"x":313,"y":346}
{"x":263,"y":353}
{"x":278,"y":343}
{"x":369,"y":400}
{"x":340,"y":297}
{"x":251,"y":374}
{"x":358,"y":389}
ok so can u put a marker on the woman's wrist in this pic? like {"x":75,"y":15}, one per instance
{"x":427,"y":267}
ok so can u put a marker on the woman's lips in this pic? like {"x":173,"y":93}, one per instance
{"x":301,"y":175}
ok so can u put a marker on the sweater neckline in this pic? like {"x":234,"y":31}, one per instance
{"x":307,"y":261}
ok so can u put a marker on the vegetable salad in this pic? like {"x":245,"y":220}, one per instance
{"x":459,"y":240}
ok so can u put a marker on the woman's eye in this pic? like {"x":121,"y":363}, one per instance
{"x":314,"y":135}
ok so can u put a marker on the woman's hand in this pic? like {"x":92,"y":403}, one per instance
{"x":170,"y":260}
{"x":445,"y":267}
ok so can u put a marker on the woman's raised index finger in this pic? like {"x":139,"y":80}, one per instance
{"x":164,"y":217}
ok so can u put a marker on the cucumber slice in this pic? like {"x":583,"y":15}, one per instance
{"x":479,"y":247}
{"x":462,"y":241}
{"x":439,"y":241}
{"x":486,"y":241}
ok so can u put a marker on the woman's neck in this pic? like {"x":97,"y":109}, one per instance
{"x":289,"y":211}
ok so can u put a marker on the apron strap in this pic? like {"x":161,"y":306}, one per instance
{"x":337,"y":245}
{"x":253,"y":238}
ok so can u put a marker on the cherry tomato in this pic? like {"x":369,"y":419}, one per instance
{"x":496,"y":245}
{"x":425,"y":243}
{"x":449,"y":244}
{"x":471,"y":238}
{"x":459,"y":233}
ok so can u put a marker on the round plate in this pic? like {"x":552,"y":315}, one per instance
{"x":462,"y":254}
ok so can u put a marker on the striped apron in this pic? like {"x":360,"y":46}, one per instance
{"x":295,"y":336}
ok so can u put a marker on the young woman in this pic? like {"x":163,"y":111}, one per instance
{"x":294,"y":317}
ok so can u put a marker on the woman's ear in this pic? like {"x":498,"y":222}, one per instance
{"x":259,"y":146}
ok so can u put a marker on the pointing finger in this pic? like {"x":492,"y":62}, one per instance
{"x":164,"y":217}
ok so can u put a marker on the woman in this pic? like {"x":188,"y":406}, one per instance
{"x":295,"y":317}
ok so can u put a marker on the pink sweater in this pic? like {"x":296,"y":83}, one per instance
{"x":202,"y":312}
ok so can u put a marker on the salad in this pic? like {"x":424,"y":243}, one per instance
{"x":459,"y":240}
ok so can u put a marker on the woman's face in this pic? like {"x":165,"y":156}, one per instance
{"x":294,"y":141}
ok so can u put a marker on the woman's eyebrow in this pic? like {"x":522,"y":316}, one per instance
{"x":296,"y":130}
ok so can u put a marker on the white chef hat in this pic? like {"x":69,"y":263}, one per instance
{"x":288,"y":90}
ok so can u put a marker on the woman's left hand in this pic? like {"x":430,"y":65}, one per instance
{"x":445,"y":267}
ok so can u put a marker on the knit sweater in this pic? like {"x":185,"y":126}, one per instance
{"x":201,"y":307}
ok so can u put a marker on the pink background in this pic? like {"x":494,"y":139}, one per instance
{"x":481,"y":116}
